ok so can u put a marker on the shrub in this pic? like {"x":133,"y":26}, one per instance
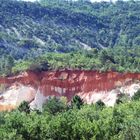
{"x":136,"y":95}
{"x":24,"y":107}
{"x":76,"y":102}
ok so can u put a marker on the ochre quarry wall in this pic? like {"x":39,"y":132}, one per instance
{"x":70,"y":82}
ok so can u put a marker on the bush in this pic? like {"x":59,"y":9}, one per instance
{"x":24,"y":107}
{"x":136,"y":96}
{"x":55,"y":105}
{"x":122,"y":98}
{"x":76,"y":102}
{"x":99,"y":104}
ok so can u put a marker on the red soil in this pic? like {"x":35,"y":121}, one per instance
{"x":69,"y":82}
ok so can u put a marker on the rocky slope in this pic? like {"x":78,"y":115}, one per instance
{"x":89,"y":85}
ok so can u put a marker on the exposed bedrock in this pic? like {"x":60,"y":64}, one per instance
{"x":90,"y":85}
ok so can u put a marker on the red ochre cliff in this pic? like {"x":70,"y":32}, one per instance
{"x":66,"y":83}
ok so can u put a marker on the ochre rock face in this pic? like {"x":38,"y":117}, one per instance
{"x":67,"y":83}
{"x":70,"y":82}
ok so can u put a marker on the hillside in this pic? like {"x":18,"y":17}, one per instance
{"x":30,"y":30}
{"x":69,"y":70}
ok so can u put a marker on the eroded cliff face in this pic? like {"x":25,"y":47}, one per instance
{"x":90,"y":85}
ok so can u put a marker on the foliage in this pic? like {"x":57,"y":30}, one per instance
{"x":100,"y":104}
{"x":136,"y":96}
{"x":76,"y":102}
{"x":118,"y":59}
{"x":24,"y":107}
{"x":6,"y":64}
{"x":122,"y":98}
{"x":54,"y":105}
{"x":119,"y":122}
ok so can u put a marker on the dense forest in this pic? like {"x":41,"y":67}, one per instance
{"x":69,"y":34}
{"x":76,"y":121}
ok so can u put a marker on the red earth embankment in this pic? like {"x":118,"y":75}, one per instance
{"x":70,"y":82}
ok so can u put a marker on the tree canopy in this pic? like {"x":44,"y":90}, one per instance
{"x":89,"y":122}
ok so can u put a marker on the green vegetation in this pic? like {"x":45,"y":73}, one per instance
{"x":54,"y":105}
{"x":6,"y":64}
{"x":116,"y":59}
{"x":136,"y":95}
{"x":76,"y":102}
{"x":24,"y":107}
{"x":69,"y":34}
{"x":59,"y":121}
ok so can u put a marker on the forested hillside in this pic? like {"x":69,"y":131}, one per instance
{"x":68,"y":34}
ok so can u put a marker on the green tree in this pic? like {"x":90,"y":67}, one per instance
{"x":24,"y":107}
{"x":76,"y":102}
{"x":55,"y":105}
{"x":136,"y":96}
